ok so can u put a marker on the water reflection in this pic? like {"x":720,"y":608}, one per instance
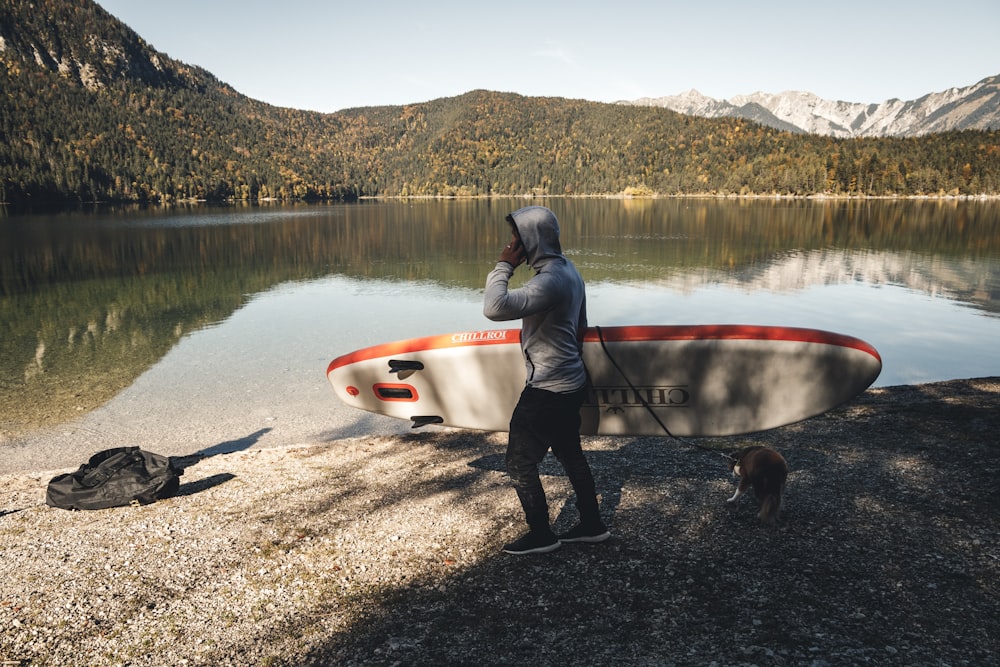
{"x":89,"y":301}
{"x":447,"y":242}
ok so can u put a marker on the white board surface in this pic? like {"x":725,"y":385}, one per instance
{"x":696,"y":380}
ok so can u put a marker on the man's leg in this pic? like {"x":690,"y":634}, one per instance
{"x":566,"y":447}
{"x":526,"y":447}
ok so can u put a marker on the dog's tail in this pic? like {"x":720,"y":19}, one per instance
{"x":770,"y":505}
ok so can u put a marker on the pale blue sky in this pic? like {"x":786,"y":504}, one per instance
{"x":327,"y":56}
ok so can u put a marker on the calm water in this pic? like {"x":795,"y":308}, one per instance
{"x":241,"y":308}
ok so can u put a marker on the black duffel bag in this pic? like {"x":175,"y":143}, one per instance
{"x":113,"y":478}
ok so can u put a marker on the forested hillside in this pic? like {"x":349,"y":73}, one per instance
{"x":90,"y":112}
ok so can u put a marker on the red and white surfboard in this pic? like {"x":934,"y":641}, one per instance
{"x":699,"y":380}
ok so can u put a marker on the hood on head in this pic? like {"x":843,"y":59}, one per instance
{"x":538,"y":229}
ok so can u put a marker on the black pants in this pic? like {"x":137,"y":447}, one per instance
{"x":544,"y":420}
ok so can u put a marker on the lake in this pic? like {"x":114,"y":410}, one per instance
{"x":223,"y":318}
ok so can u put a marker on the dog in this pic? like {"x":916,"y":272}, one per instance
{"x":766,"y":471}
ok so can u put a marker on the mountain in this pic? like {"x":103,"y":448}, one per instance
{"x":88,"y":47}
{"x":975,"y":107}
{"x":92,"y":113}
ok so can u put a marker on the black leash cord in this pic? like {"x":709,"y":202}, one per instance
{"x":645,"y":403}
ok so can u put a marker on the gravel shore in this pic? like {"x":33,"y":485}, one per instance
{"x":385,"y":550}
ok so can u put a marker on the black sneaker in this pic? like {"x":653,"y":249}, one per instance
{"x":582,"y":533}
{"x":535,"y":542}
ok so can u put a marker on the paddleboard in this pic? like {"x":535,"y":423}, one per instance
{"x":696,"y":380}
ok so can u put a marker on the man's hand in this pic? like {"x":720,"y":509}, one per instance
{"x":513,"y":253}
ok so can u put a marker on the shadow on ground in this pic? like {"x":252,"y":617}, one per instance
{"x":888,"y":553}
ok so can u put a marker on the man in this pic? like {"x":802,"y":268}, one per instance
{"x":553,"y":308}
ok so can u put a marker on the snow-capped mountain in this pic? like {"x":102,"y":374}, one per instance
{"x":973,"y":107}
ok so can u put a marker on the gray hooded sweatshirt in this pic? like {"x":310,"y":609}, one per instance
{"x":552,"y":304}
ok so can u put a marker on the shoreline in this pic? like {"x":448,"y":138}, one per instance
{"x":385,"y":549}
{"x":62,"y":446}
{"x":815,"y":196}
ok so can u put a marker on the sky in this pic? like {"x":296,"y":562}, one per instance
{"x":328,"y":55}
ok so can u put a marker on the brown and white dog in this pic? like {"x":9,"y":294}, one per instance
{"x":765,"y":470}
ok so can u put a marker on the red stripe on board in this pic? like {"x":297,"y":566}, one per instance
{"x":727,"y":332}
{"x":612,"y":335}
{"x":444,"y":341}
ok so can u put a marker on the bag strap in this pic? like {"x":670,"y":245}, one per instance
{"x":109,"y":467}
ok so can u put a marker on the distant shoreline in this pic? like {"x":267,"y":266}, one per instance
{"x":62,"y":206}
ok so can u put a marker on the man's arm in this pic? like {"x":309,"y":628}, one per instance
{"x":500,"y":304}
